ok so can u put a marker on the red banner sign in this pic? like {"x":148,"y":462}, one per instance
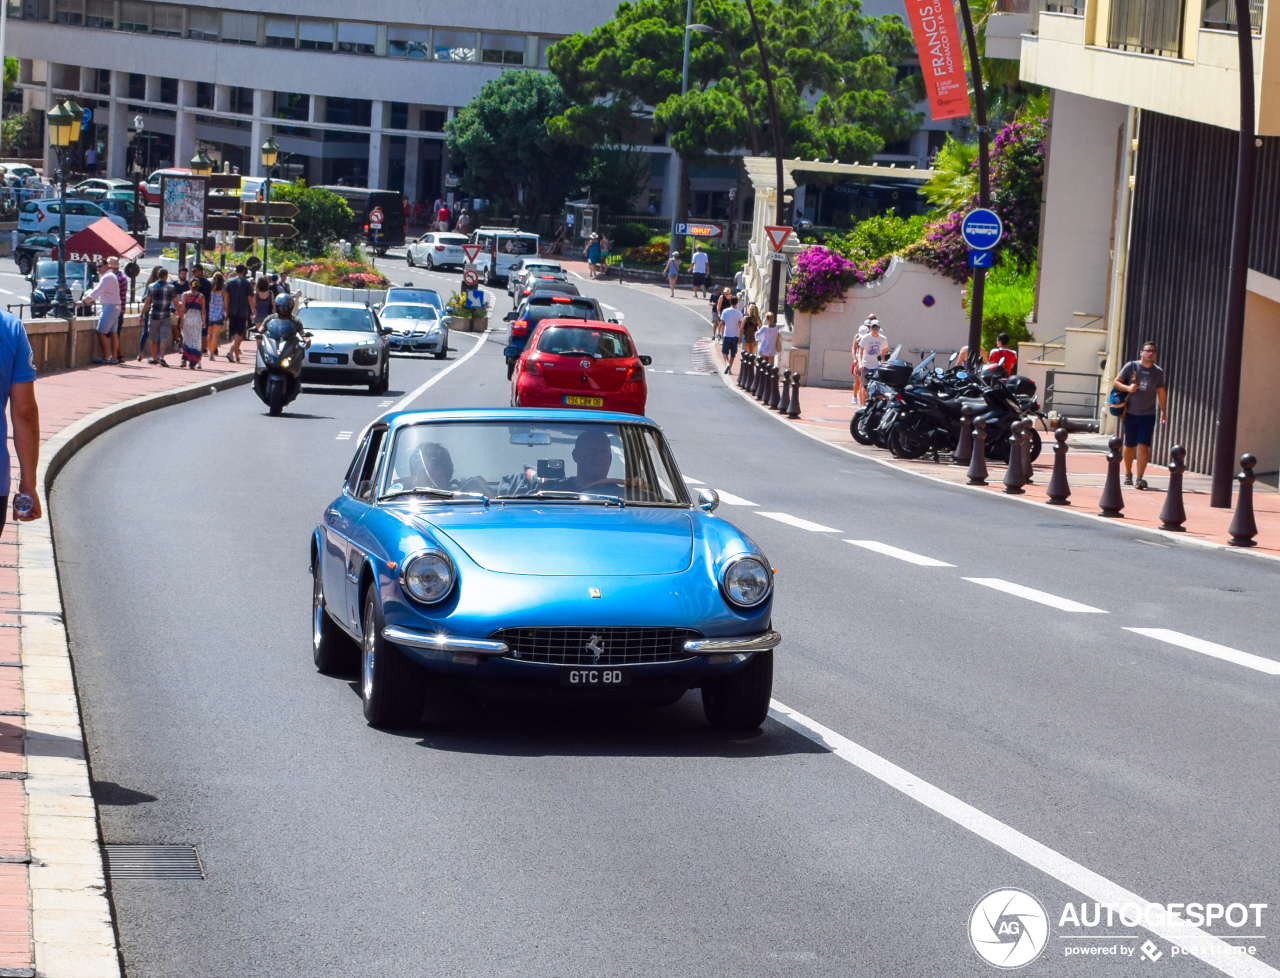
{"x":933,"y":23}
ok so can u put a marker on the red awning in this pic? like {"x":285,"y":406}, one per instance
{"x":102,"y":239}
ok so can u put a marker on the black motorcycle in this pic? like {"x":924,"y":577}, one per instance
{"x":277,"y":371}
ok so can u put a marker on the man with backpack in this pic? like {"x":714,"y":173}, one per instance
{"x":1143,"y":382}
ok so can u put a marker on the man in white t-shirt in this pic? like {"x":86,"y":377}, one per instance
{"x":868,"y":351}
{"x":731,"y":322}
{"x":699,"y":266}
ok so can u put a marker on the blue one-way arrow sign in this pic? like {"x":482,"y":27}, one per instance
{"x":979,"y":259}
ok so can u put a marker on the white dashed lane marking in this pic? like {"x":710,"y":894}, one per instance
{"x":798,"y":522}
{"x":385,"y":403}
{"x":1269,"y":666}
{"x":1031,"y":594}
{"x":693,"y":482}
{"x":345,"y":435}
{"x":907,"y":555}
{"x":731,"y":500}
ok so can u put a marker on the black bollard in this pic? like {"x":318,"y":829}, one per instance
{"x":767,"y":386}
{"x":1244,"y":527}
{"x":757,"y":369}
{"x":977,"y":474}
{"x":742,"y":368}
{"x":751,"y":373}
{"x":1013,"y":477}
{"x":774,"y":394}
{"x":793,"y":406}
{"x":964,"y":447}
{"x":1112,"y":502}
{"x":1174,"y":513}
{"x":1059,"y":490}
{"x":784,"y":402}
{"x":758,"y":391}
{"x":1028,"y":429}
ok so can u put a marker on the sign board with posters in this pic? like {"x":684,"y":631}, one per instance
{"x":933,"y":25}
{"x":182,"y":206}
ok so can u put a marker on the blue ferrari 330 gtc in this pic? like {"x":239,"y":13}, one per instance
{"x":537,"y":548}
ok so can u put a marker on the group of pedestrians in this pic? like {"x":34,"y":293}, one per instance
{"x":598,"y":255}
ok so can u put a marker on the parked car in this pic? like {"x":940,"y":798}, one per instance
{"x":552,"y":551}
{"x":40,"y":216}
{"x":151,"y":189}
{"x":363,"y":202}
{"x":501,"y":250}
{"x":44,"y":286}
{"x":122,"y":207}
{"x":348,"y":345}
{"x":98,"y":187}
{"x":416,"y":328}
{"x":527,"y":268}
{"x":570,"y":363}
{"x":437,"y":249}
{"x":33,"y":248}
{"x":24,"y":173}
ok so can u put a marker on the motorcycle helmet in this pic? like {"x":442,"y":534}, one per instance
{"x":284,"y":303}
{"x":993,"y":372}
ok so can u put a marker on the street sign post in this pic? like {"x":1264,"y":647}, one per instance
{"x":230,"y":222}
{"x":778,"y":235}
{"x":258,"y":229}
{"x":472,"y":251}
{"x":475,"y":299}
{"x":700,"y":230}
{"x":778,"y":256}
{"x":979,"y":258}
{"x":982,"y":230}
{"x":279,"y":208}
{"x":470,"y":278}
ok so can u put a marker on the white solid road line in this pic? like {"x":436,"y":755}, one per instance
{"x":907,"y":555}
{"x":730,"y":499}
{"x":693,"y":482}
{"x":1269,"y":666}
{"x":413,"y":395}
{"x":1210,"y":949}
{"x":1031,"y":594}
{"x":797,"y":521}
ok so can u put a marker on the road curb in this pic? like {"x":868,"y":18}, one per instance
{"x":72,"y":931}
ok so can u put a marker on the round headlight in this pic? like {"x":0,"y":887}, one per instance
{"x":747,"y":581}
{"x":428,"y":577}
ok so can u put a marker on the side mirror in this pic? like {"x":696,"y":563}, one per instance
{"x":307,"y":335}
{"x":512,"y":351}
{"x":509,"y":316}
{"x":646,"y":359}
{"x":385,"y":331}
{"x":708,"y":500}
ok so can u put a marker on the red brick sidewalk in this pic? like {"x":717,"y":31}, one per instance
{"x":64,"y":397}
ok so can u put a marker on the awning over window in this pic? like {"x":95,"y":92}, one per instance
{"x":102,"y":239}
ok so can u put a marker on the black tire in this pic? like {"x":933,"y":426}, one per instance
{"x":408,"y":257}
{"x":431,"y":265}
{"x":380,"y":251}
{"x":393,"y":689}
{"x":859,"y":433}
{"x":740,"y":701}
{"x":511,"y":367}
{"x":383,"y":382}
{"x":1036,"y":444}
{"x":24,"y":265}
{"x":904,"y":447}
{"x":275,"y":396}
{"x":335,"y":653}
{"x":442,"y":354}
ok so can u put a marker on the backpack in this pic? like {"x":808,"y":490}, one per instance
{"x":1117,"y":400}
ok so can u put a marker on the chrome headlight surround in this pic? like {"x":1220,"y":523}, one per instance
{"x":735,"y":585}
{"x":428,"y":577}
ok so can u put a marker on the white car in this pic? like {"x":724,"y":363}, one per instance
{"x":348,"y":346}
{"x":501,"y":249}
{"x":99,"y":187}
{"x":24,"y":173}
{"x":437,"y":249}
{"x":528,"y":268}
{"x":36,"y":216}
{"x":416,"y":328}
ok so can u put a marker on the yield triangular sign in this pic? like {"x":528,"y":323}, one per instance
{"x":472,"y":251}
{"x":777,"y":235}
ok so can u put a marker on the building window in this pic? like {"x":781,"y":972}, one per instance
{"x":408,"y":42}
{"x":543,"y":44}
{"x":399,"y":115}
{"x":169,"y":90}
{"x":1147,"y":26}
{"x":101,"y":14}
{"x":291,"y":105}
{"x":357,"y":38}
{"x":138,"y":86}
{"x":239,"y":28}
{"x":69,"y":12}
{"x":432,"y":120}
{"x":1220,"y":15}
{"x":135,"y":16}
{"x":315,"y":35}
{"x":502,"y":49}
{"x":348,"y":111}
{"x":281,"y":32}
{"x":166,"y":20}
{"x":36,"y":10}
{"x":204,"y":95}
{"x":455,"y":46}
{"x":241,"y":101}
{"x":103,"y":82}
{"x":202,"y":25}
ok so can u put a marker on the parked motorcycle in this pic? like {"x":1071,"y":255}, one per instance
{"x":277,"y":370}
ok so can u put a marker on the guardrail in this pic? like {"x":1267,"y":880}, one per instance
{"x":1073,"y":395}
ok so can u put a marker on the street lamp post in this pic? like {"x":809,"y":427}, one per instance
{"x":270,"y":152}
{"x":780,"y":214}
{"x":63,"y":122}
{"x":679,"y":163}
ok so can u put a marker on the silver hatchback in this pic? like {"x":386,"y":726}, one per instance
{"x":416,"y":327}
{"x":348,"y":346}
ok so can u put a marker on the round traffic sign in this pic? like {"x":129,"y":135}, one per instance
{"x":470,"y":278}
{"x":375,"y":216}
{"x":982,"y":229}
{"x":253,"y":263}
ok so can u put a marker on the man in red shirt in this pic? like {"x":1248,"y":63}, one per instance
{"x":1004,"y":356}
{"x":442,"y":218}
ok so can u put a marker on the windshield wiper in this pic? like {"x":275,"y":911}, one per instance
{"x":433,"y":491}
{"x":570,"y":494}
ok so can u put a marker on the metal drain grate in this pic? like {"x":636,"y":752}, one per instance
{"x":152,"y":862}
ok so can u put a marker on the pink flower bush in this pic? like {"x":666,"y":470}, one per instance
{"x":821,"y":277}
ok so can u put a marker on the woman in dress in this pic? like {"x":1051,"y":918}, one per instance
{"x":217,"y":313}
{"x":192,"y":316}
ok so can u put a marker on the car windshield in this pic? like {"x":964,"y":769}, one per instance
{"x":336,"y":317}
{"x":552,"y":461}
{"x":429,"y":296}
{"x":606,"y":344}
{"x":49,"y":269}
{"x":409,"y":312}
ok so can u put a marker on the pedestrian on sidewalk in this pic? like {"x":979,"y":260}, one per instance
{"x":750,"y":326}
{"x":740,"y":283}
{"x":195,"y":321}
{"x":217,"y":314}
{"x":18,"y":390}
{"x":464,"y":222}
{"x":593,"y":255}
{"x":1004,"y":356}
{"x":700,"y":265}
{"x":145,"y":315}
{"x":731,"y":328}
{"x":159,"y":306}
{"x":107,"y":292}
{"x":118,"y":351}
{"x":672,"y":271}
{"x":239,"y":309}
{"x":1143,"y":381}
{"x":767,"y":337}
{"x":868,"y":351}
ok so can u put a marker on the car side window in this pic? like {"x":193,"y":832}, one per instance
{"x":369,"y":465}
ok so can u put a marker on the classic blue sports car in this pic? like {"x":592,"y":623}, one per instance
{"x":536,"y":548}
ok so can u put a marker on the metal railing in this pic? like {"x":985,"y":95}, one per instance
{"x":1147,"y":26}
{"x":1037,"y":7}
{"x":1073,"y":395}
{"x":1220,"y":15}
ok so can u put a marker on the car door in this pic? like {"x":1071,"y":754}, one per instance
{"x":340,"y":560}
{"x":363,"y":497}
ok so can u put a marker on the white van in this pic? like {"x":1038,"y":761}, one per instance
{"x":501,"y":249}
{"x":251,"y":187}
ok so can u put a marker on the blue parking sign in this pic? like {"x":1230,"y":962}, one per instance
{"x":979,"y":259}
{"x":475,"y":298}
{"x":982,"y":229}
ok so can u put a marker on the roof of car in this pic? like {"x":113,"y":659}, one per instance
{"x":514,"y":415}
{"x":582,"y":324}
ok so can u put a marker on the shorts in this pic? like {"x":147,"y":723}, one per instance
{"x":237,"y":325}
{"x":160,"y":329}
{"x":729,"y":346}
{"x":698,"y":279}
{"x":108,"y":320}
{"x":1139,"y":430}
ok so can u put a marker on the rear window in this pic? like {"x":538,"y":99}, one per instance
{"x":451,"y":239}
{"x":336,"y":317}
{"x":29,"y":207}
{"x":517,"y":245}
{"x":559,"y":310}
{"x":584,"y":341}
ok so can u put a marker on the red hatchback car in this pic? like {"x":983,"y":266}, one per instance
{"x":577,"y":363}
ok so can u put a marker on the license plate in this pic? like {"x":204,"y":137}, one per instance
{"x":328,"y":359}
{"x":594,"y":677}
{"x":573,"y":401}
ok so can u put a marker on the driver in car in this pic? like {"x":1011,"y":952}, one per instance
{"x":594,"y":456}
{"x":431,"y":467}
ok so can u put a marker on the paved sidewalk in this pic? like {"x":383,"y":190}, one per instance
{"x":36,"y":865}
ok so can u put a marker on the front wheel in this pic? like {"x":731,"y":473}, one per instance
{"x":511,"y":366}
{"x":903,"y":446}
{"x":740,"y":701}
{"x":332,"y":649}
{"x":275,"y":396}
{"x":24,"y":265}
{"x":858,"y":429}
{"x":1036,"y":444}
{"x":393,"y":689}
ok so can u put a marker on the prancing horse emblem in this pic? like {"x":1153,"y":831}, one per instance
{"x":596,"y":647}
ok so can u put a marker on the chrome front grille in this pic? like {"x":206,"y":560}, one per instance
{"x":609,"y":646}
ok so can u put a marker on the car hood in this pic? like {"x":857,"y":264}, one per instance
{"x":569,"y":540}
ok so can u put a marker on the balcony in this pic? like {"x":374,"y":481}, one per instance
{"x":1220,"y":15}
{"x":1147,"y":27}
{"x":1006,"y":24}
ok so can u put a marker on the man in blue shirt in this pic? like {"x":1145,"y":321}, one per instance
{"x":18,"y":388}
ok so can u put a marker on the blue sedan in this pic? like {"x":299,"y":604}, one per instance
{"x":537,"y":549}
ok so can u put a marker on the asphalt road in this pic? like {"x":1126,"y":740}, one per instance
{"x":580,"y":842}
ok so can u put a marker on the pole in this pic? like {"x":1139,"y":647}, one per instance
{"x":780,"y":212}
{"x":63,"y":310}
{"x":266,"y":223}
{"x":984,"y":180}
{"x":1224,"y":443}
{"x":678,"y":166}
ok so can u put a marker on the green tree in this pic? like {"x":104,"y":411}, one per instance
{"x":955,"y":178}
{"x":501,"y":139}
{"x":10,"y":74}
{"x":616,"y":177}
{"x":323,"y":217}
